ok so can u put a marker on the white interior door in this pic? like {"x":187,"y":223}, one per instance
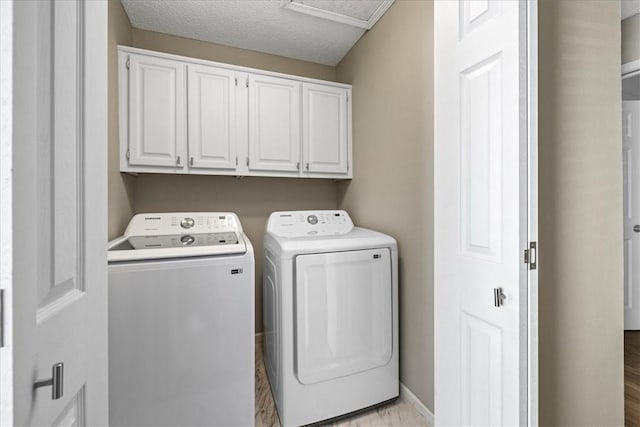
{"x":481,"y":335}
{"x":54,"y":255}
{"x":631,"y":214}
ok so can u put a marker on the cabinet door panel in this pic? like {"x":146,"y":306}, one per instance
{"x":156,"y":112}
{"x":212,"y":117}
{"x":274,"y":124}
{"x":324,"y":124}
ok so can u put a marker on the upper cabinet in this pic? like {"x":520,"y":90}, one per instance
{"x":211,"y":117}
{"x":274,"y":124}
{"x":156,"y":112}
{"x":189,"y":116}
{"x":324,"y":129}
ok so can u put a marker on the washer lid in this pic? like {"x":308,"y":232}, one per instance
{"x":177,"y":235}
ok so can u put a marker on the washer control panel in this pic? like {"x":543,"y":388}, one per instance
{"x":175,"y":223}
{"x":309,"y":223}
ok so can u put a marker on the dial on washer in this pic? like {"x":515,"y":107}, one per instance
{"x":187,"y":222}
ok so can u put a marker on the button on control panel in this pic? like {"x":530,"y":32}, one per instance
{"x":309,"y":223}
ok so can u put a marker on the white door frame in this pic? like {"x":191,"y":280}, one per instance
{"x":532,"y":226}
{"x":6,"y":206}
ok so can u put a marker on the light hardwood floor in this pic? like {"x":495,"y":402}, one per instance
{"x":632,"y":378}
{"x":397,"y":413}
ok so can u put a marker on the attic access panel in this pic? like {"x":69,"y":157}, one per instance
{"x":357,"y":13}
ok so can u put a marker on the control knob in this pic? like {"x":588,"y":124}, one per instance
{"x":187,"y":222}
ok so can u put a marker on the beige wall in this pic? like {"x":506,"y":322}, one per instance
{"x":230,"y":55}
{"x":631,"y":39}
{"x":391,"y":69}
{"x":121,"y":186}
{"x":252,"y":198}
{"x":580,"y":214}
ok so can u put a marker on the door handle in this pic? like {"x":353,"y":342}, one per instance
{"x":636,"y":228}
{"x":56,"y":381}
{"x":498,"y":297}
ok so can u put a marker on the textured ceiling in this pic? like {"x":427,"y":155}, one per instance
{"x":629,"y":8}
{"x":262,"y":25}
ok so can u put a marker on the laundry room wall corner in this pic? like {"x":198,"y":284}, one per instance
{"x":391,"y":70}
{"x":121,"y":186}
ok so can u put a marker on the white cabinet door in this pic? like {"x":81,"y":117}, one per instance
{"x":212,"y":117}
{"x":156,"y":111}
{"x":324,"y":129}
{"x":274,"y":124}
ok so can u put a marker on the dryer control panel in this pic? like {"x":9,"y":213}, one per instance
{"x":309,"y":223}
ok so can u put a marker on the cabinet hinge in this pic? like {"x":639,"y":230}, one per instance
{"x":247,"y":81}
{"x":247,"y":161}
{"x":347,"y":166}
{"x":128,"y":64}
{"x":128,"y":154}
{"x":347,"y":97}
{"x":531,"y":256}
{"x":236,"y":79}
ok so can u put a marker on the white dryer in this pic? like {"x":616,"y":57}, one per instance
{"x":181,"y":322}
{"x":330,"y":293}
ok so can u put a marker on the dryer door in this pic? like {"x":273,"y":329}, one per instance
{"x":343,"y":313}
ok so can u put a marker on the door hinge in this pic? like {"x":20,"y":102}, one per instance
{"x":531,"y":256}
{"x":1,"y":317}
{"x":128,"y":64}
{"x":128,"y":154}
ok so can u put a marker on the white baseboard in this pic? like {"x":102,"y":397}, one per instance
{"x":408,"y":396}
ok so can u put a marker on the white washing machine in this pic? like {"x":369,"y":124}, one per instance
{"x":181,"y":322}
{"x":330,"y":315}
